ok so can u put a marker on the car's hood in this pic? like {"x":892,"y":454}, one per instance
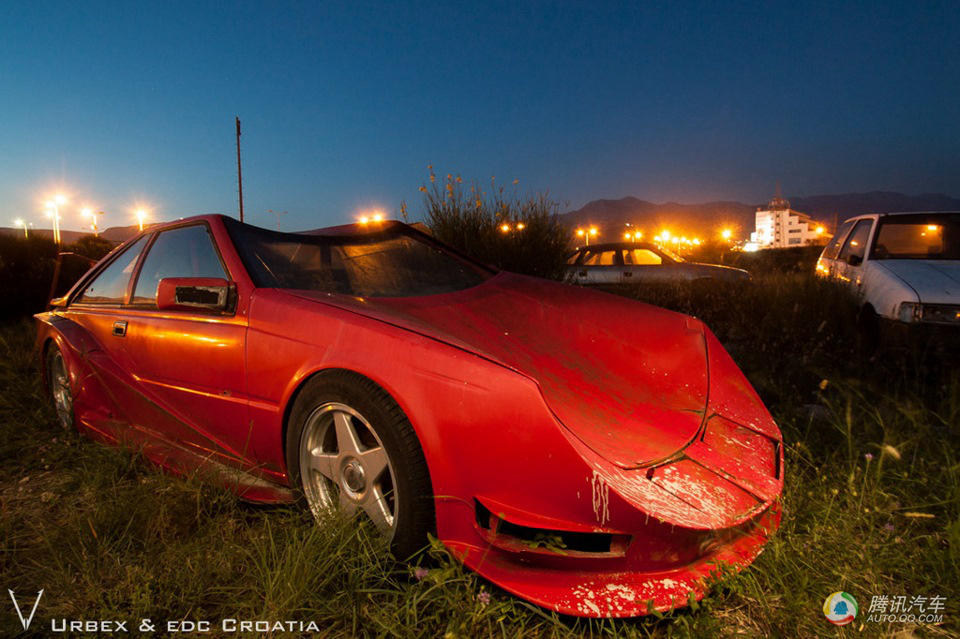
{"x":628,"y":379}
{"x":935,"y":281}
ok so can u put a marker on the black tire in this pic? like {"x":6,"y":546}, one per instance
{"x":375,"y":410}
{"x":58,"y":387}
{"x":868,"y":331}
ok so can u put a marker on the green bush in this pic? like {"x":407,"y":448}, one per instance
{"x":522,"y":234}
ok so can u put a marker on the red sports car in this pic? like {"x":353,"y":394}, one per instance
{"x":591,"y":454}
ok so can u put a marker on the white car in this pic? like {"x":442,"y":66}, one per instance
{"x":903,"y":266}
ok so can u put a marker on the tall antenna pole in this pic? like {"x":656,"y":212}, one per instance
{"x":239,"y":171}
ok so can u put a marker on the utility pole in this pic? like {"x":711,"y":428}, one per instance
{"x":278,"y":214}
{"x":239,"y":171}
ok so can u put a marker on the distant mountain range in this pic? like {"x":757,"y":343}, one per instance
{"x":610,"y":215}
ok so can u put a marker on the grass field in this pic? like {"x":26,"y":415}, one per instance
{"x":871,"y":506}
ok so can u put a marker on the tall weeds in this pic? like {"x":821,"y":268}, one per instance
{"x":516,"y":233}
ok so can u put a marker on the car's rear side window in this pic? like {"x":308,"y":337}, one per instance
{"x":110,"y":286}
{"x":641,"y":257}
{"x":600,"y":258}
{"x":187,"y":251}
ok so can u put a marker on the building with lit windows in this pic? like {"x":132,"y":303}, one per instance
{"x":779,"y":226}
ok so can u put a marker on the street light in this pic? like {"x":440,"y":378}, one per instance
{"x":87,"y":212}
{"x":586,"y":234}
{"x":53,"y":210}
{"x":726,"y":234}
{"x":504,"y":228}
{"x":374,"y":216}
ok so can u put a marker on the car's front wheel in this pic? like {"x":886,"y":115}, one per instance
{"x":351,"y":448}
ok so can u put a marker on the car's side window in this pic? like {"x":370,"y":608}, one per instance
{"x":600,"y":258}
{"x":639,"y":256}
{"x":110,"y":286}
{"x":833,"y":247}
{"x":187,"y":251}
{"x":856,"y":244}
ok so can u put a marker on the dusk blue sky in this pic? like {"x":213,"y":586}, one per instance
{"x":345,"y":104}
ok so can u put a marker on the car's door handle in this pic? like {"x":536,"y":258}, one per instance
{"x":120,"y":328}
{"x":628,"y":273}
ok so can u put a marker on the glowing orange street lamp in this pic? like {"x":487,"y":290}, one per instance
{"x":726,"y":234}
{"x":373,"y":216}
{"x":53,"y":210}
{"x":521,"y":226}
{"x":93,"y":216}
{"x":504,"y":228}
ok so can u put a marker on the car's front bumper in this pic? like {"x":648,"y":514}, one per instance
{"x":644,"y":579}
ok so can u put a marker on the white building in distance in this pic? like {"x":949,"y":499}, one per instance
{"x":778,"y":226}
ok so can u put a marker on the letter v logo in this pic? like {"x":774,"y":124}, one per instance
{"x":25,"y":622}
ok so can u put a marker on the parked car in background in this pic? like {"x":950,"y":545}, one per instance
{"x":629,"y":262}
{"x":579,"y":463}
{"x":902,"y":266}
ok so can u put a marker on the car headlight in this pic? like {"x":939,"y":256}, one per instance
{"x":940,"y":313}
{"x":929,"y":313}
{"x":909,"y":312}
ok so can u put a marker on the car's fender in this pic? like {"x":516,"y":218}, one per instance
{"x":884,"y":290}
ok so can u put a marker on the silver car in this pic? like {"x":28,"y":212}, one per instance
{"x":629,"y":262}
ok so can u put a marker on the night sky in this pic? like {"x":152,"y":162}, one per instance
{"x":344,"y":105}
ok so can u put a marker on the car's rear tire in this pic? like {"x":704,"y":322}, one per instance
{"x":349,"y":446}
{"x":58,"y":385}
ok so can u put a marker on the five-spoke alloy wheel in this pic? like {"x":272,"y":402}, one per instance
{"x":344,"y":464}
{"x":351,"y":449}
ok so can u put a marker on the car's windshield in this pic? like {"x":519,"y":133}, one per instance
{"x":922,"y":236}
{"x":394,"y":262}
